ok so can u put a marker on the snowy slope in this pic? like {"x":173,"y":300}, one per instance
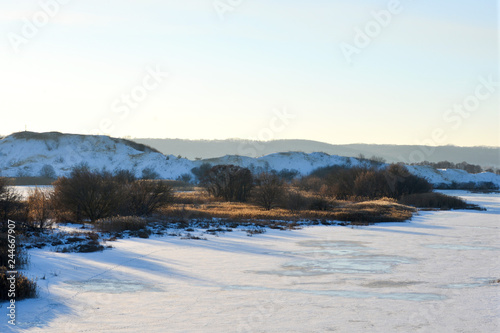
{"x":448,"y":176}
{"x":25,"y":153}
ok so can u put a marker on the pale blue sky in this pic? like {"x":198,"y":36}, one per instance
{"x":226,"y":76}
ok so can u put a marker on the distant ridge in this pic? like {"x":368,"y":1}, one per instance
{"x":191,"y":149}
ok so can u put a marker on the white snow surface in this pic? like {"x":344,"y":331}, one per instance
{"x":20,"y":155}
{"x":433,"y":274}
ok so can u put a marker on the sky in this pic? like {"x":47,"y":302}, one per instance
{"x":359,"y":71}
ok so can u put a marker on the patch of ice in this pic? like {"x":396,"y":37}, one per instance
{"x":349,"y":293}
{"x":111,"y":286}
{"x":461,"y":247}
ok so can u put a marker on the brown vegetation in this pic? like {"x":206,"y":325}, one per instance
{"x":269,"y":190}
{"x":39,"y":209}
{"x":229,"y":182}
{"x":120,"y":224}
{"x":10,"y":201}
{"x":94,"y":195}
{"x":383,"y":210}
{"x":436,"y":201}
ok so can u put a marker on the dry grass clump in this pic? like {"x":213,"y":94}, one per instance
{"x":195,"y":197}
{"x":375,"y":211}
{"x":305,"y":207}
{"x":236,"y":211}
{"x":24,"y":287}
{"x":120,"y":224}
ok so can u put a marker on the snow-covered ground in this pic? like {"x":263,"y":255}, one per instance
{"x":430,"y":275}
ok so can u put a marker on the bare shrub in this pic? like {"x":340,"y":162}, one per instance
{"x":94,"y":195}
{"x":10,"y":200}
{"x":319,"y":203}
{"x":201,"y":171}
{"x":435,"y":200}
{"x":353,"y":183}
{"x":124,"y":176}
{"x":185,"y":178}
{"x":229,"y":182}
{"x":39,"y":208}
{"x":145,"y":197}
{"x":311,"y":183}
{"x":87,"y":194}
{"x":402,"y":182}
{"x":24,"y":287}
{"x":295,"y":201}
{"x":269,"y":190}
{"x":340,"y":182}
{"x":149,"y":173}
{"x":48,"y":171}
{"x":288,"y":175}
{"x":371,"y":184}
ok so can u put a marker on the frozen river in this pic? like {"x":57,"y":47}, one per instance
{"x":433,"y":274}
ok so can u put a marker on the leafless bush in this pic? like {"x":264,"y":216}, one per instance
{"x":371,"y":184}
{"x":24,"y":287}
{"x":39,"y":208}
{"x":436,"y":200}
{"x":149,"y":173}
{"x":145,"y":197}
{"x":10,"y":200}
{"x":310,"y":184}
{"x":48,"y":171}
{"x":229,"y":182}
{"x":319,"y":203}
{"x":269,"y":190}
{"x":87,"y":194}
{"x":94,"y":195}
{"x":295,"y":201}
{"x":347,"y":183}
{"x":340,"y":182}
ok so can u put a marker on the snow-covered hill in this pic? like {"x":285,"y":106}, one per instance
{"x":26,"y":153}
